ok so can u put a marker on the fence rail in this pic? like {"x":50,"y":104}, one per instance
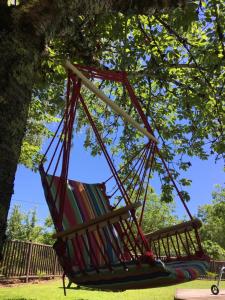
{"x":216,"y":265}
{"x":29,"y":260}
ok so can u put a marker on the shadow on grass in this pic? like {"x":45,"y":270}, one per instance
{"x":18,"y":298}
{"x":75,"y":288}
{"x":83,"y":288}
{"x":32,"y":299}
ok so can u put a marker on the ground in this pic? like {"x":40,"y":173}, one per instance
{"x":53,"y":290}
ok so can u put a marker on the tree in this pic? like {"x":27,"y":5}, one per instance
{"x":27,"y":31}
{"x":178,"y":58}
{"x":15,"y":228}
{"x":23,"y":226}
{"x":48,"y":231}
{"x":158,"y":214}
{"x":213,"y":218}
{"x":213,"y":249}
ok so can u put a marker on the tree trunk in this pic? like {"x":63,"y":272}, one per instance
{"x":15,"y":98}
{"x":19,"y":55}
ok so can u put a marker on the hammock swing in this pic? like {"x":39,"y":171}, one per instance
{"x":99,"y":245}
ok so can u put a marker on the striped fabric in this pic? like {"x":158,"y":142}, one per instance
{"x":144,"y":276}
{"x":83,"y":202}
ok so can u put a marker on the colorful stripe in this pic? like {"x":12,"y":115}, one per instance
{"x":83,"y":202}
{"x":146,"y":276}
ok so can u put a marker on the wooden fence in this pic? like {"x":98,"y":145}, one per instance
{"x":28,"y":260}
{"x":216,"y":265}
{"x":31,"y":260}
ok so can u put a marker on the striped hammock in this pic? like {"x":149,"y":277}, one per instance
{"x":102,"y":256}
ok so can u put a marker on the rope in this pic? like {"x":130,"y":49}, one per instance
{"x":113,"y":170}
{"x":127,"y":163}
{"x":146,"y":190}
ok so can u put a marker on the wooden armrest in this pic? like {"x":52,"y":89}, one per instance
{"x":101,"y":221}
{"x":172,"y":230}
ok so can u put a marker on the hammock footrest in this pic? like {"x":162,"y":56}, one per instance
{"x":176,"y":242}
{"x":172,"y":230}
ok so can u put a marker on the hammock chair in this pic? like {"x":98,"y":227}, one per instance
{"x":99,"y":245}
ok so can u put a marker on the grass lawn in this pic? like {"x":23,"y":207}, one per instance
{"x":53,"y":290}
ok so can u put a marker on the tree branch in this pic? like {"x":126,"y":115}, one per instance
{"x":219,"y":30}
{"x":207,"y":81}
{"x":43,"y":15}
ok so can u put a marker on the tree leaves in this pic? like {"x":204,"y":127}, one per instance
{"x":157,"y":214}
{"x":213,"y":218}
{"x":23,"y":226}
{"x":175,"y":62}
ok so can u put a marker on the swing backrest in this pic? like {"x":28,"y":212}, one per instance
{"x":82,"y":203}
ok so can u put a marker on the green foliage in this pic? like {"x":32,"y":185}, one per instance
{"x":213,"y":218}
{"x":24,"y":227}
{"x":15,"y":229}
{"x":175,"y":60}
{"x":48,"y":230}
{"x":157,"y":214}
{"x":31,"y":230}
{"x":214,"y":250}
{"x":41,"y":114}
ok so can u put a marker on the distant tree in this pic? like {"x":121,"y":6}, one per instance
{"x":24,"y":226}
{"x":213,"y":218}
{"x":15,"y":228}
{"x":214,"y":250}
{"x":48,"y":229}
{"x":158,"y":214}
{"x":32,"y":231}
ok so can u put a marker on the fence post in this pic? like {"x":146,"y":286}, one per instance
{"x":55,"y":265}
{"x":29,"y":260}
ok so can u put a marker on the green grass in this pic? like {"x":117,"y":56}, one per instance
{"x":53,"y":290}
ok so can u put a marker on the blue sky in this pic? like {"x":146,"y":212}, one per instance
{"x":28,"y":192}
